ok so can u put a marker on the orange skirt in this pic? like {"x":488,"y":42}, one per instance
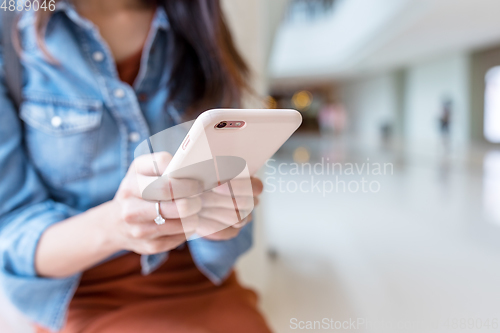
{"x":177,"y":298}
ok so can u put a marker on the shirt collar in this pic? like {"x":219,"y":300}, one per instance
{"x":160,"y":19}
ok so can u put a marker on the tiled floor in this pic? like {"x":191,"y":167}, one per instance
{"x":423,"y":251}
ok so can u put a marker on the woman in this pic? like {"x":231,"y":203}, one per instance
{"x":79,"y":249}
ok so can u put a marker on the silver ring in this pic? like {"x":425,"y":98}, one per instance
{"x":159,"y":220}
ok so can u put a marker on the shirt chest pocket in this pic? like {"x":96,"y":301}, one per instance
{"x":61,"y":137}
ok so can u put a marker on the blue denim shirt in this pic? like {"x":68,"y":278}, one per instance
{"x":81,"y":127}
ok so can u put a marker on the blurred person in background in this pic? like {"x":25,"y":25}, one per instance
{"x":332,"y":118}
{"x":79,"y":248}
{"x":445,"y":122}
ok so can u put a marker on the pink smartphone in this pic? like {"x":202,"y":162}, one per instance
{"x":224,"y":144}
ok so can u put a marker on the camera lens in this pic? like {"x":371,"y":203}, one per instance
{"x":222,"y":124}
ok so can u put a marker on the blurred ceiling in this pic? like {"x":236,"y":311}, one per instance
{"x":362,"y":36}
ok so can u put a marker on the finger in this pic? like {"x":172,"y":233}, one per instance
{"x":141,"y":211}
{"x":244,"y":222}
{"x":183,"y":188}
{"x":153,"y":188}
{"x":164,"y":244}
{"x":187,"y":225}
{"x":241,"y":187}
{"x":223,"y":215}
{"x":171,"y":227}
{"x":180,"y":208}
{"x":165,"y":189}
{"x":214,"y":230}
{"x":152,"y":164}
{"x":212,"y":199}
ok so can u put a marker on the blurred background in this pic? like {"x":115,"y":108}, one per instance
{"x":413,"y":85}
{"x":410,"y":83}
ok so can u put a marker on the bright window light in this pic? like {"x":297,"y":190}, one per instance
{"x":492,"y":106}
{"x":491,"y":186}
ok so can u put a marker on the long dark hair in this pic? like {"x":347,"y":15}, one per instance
{"x":208,"y":70}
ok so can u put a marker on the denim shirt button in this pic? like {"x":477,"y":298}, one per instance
{"x":56,"y":121}
{"x":134,"y":137}
{"x":119,"y":93}
{"x":98,"y":56}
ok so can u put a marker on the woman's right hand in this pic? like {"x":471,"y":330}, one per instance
{"x":124,"y":223}
{"x":135,"y":229}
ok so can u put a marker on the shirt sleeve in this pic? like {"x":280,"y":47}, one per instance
{"x":217,"y":258}
{"x":26,"y":211}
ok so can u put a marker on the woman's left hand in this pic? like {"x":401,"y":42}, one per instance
{"x":218,"y":219}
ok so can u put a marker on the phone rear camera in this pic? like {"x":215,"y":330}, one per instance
{"x":222,"y":124}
